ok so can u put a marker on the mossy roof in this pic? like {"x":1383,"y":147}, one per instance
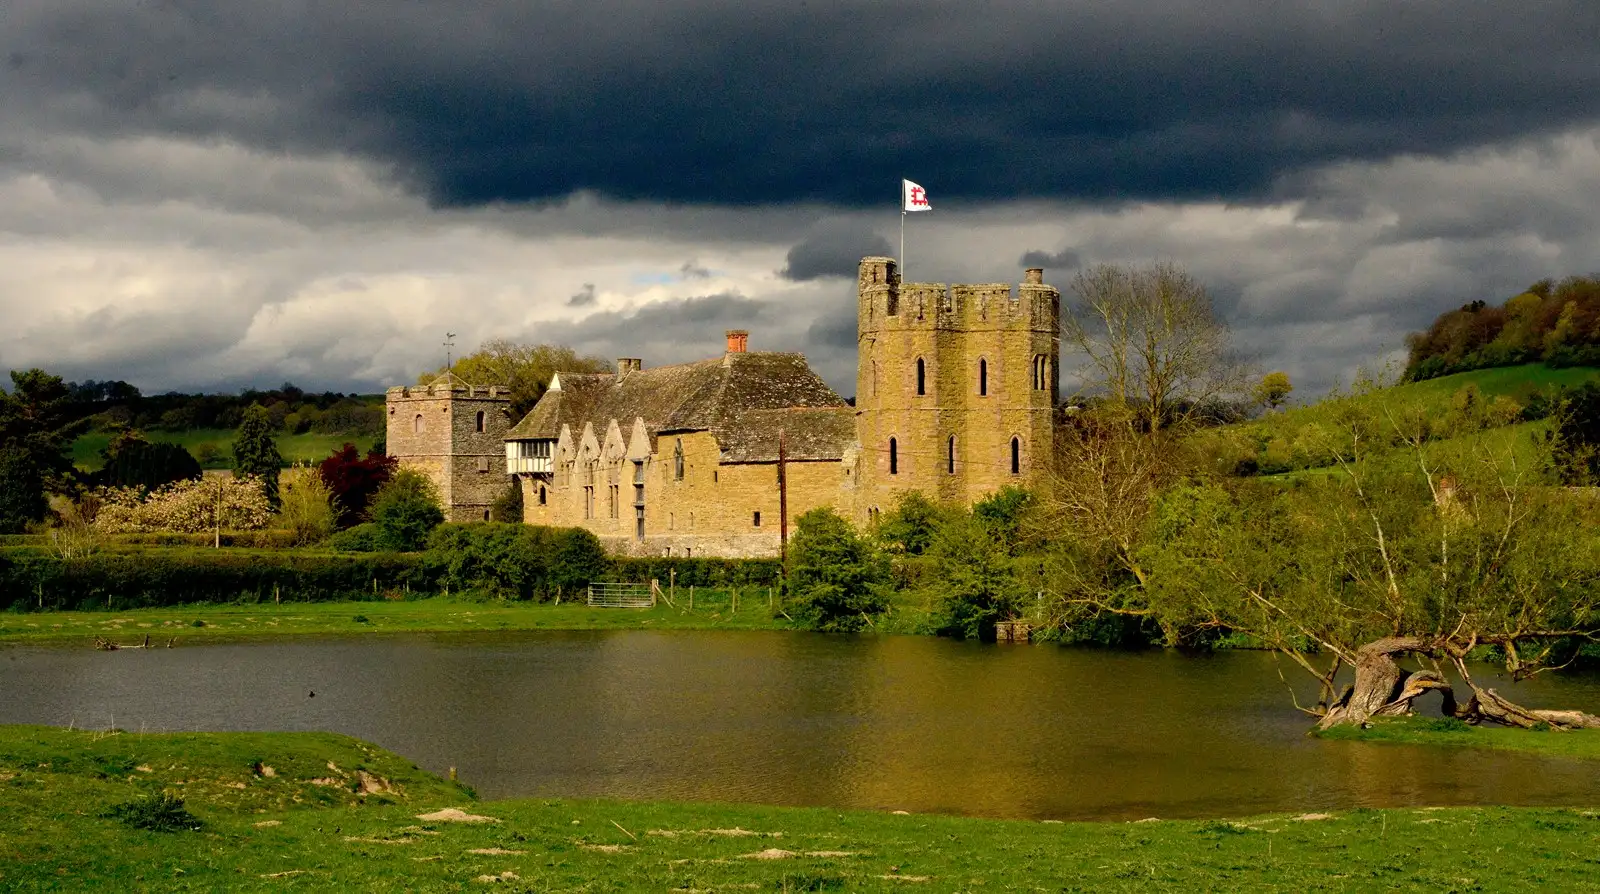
{"x":743,"y":399}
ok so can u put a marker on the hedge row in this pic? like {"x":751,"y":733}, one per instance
{"x":700,"y":572}
{"x":32,"y":580}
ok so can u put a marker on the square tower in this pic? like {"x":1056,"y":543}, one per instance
{"x":454,"y":433}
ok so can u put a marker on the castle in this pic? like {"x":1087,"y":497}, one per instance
{"x":956,"y":391}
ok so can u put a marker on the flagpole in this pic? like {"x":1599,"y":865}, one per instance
{"x":902,"y":246}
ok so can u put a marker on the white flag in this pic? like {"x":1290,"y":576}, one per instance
{"x":913,"y":197}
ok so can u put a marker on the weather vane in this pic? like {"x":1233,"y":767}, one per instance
{"x":449,"y":342}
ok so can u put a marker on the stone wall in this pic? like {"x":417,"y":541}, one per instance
{"x":716,"y":508}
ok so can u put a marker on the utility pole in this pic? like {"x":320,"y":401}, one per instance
{"x":449,"y":342}
{"x":783,"y":507}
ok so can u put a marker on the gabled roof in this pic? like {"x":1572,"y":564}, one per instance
{"x":731,"y":396}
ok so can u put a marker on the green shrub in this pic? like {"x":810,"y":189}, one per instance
{"x":515,"y":561}
{"x":405,"y":510}
{"x":838,"y":579}
{"x":699,"y":572}
{"x":363,"y":538}
{"x":157,"y":813}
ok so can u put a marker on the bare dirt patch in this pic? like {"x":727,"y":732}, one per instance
{"x":496,"y":852}
{"x":771,"y":853}
{"x":452,"y":815}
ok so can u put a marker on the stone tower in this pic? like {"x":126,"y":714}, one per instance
{"x":455,"y":434}
{"x":955,"y":387}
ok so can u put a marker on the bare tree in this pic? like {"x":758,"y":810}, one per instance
{"x":1152,"y":341}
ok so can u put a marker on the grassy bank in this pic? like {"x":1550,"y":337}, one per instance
{"x":310,"y":447}
{"x":1582,"y":744}
{"x":713,"y":610}
{"x":323,"y":812}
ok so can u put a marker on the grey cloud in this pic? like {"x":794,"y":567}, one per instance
{"x":750,"y":103}
{"x":693,"y":270}
{"x":834,"y":248}
{"x":583,"y":297}
{"x":1065,"y":259}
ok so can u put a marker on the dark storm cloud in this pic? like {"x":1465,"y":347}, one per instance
{"x":1065,"y":259}
{"x":833,"y":249}
{"x":748,"y":103}
{"x":583,"y":297}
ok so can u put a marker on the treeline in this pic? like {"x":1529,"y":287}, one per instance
{"x":1557,"y":323}
{"x":117,"y":404}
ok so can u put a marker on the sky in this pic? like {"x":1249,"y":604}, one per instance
{"x":217,"y":194}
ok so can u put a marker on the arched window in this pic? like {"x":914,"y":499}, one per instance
{"x":480,"y":422}
{"x":485,"y":515}
{"x":541,"y":495}
{"x":894,"y":457}
{"x":1041,"y":372}
{"x":983,"y":377}
{"x":952,"y":457}
{"x":922,"y":377}
{"x":1016,"y":456}
{"x":677,"y":460}
{"x":416,"y":424}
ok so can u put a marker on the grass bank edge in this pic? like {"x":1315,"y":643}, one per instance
{"x":1444,"y":732}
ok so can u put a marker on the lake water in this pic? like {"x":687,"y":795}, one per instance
{"x":894,"y":723}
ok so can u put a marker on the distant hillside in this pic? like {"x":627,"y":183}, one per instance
{"x":1509,"y":398}
{"x":1556,"y":323}
{"x":213,"y":447}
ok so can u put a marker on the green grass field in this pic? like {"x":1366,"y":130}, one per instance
{"x":309,"y":447}
{"x":712,"y":609}
{"x":309,"y":811}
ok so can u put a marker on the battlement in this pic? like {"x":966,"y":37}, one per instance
{"x":455,"y":390}
{"x":887,"y":303}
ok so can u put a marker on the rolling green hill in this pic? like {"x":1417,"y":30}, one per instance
{"x":309,"y":447}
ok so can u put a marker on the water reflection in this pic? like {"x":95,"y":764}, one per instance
{"x":896,"y":723}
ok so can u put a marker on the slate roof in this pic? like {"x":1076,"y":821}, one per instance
{"x":742,"y":398}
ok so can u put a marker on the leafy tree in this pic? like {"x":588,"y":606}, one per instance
{"x":308,"y":509}
{"x":1273,"y":390}
{"x":22,"y":500}
{"x":255,"y":453}
{"x":131,"y":461}
{"x":508,"y":506}
{"x":975,"y":581}
{"x":515,"y":561}
{"x":1421,"y":551}
{"x":405,"y":510}
{"x":836,"y":577}
{"x":37,"y":417}
{"x":354,"y":481}
{"x":909,"y":529}
{"x":525,"y":369}
{"x":1152,"y":342}
{"x":1574,"y":443}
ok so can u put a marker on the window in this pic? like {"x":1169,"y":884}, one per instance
{"x":638,"y":523}
{"x":894,"y":457}
{"x":922,"y":378}
{"x":483,"y":463}
{"x":671,"y":518}
{"x":677,"y":460}
{"x":616,"y":499}
{"x":952,"y":457}
{"x":416,"y":424}
{"x":588,"y":502}
{"x":713,"y":476}
{"x":485,"y":515}
{"x":1041,"y":372}
{"x":1016,"y":456}
{"x":983,"y":377}
{"x":755,"y":519}
{"x":480,"y":422}
{"x":541,"y":495}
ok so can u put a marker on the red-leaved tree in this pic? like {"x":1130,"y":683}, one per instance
{"x":354,"y":480}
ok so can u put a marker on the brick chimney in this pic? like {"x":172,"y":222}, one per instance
{"x":737,"y":338}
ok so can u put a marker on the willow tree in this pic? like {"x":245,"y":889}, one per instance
{"x":1394,"y":567}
